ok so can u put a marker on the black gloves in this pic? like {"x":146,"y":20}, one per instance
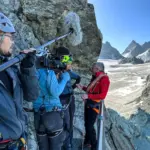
{"x":29,"y":60}
{"x":74,"y":86}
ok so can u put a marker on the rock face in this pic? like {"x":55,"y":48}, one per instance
{"x":109,"y":52}
{"x":37,"y":22}
{"x":132,"y":60}
{"x":120,"y":133}
{"x":143,"y":100}
{"x":146,"y":46}
{"x":145,"y":56}
{"x":128,"y":134}
{"x":132,"y":50}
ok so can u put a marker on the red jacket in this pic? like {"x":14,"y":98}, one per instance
{"x":99,"y":91}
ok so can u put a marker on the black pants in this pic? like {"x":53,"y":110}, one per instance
{"x":45,"y":126}
{"x":90,"y":117}
{"x":68,"y":119}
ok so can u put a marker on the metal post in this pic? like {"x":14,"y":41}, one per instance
{"x":100,"y":126}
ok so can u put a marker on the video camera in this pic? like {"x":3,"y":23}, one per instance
{"x":50,"y":61}
{"x":56,"y":61}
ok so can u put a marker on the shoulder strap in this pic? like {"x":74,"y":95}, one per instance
{"x":94,"y":82}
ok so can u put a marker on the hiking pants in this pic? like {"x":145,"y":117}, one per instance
{"x":90,"y":117}
{"x":49,"y":129}
{"x":68,"y":119}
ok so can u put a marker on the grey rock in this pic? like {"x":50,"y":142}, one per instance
{"x":38,"y":21}
{"x":8,"y":6}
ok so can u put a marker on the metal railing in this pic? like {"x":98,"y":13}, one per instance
{"x":100,"y":127}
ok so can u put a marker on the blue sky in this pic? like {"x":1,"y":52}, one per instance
{"x":122,"y":21}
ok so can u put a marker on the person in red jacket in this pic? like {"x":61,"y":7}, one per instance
{"x":96,"y":91}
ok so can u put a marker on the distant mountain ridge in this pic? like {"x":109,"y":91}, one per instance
{"x":109,"y":52}
{"x":146,"y":46}
{"x":134,"y":49}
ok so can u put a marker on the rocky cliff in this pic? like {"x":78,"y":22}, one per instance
{"x":120,"y":133}
{"x":38,"y":21}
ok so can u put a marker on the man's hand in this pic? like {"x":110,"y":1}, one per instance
{"x":27,"y":51}
{"x":79,"y":86}
{"x":29,"y":60}
{"x":84,"y":96}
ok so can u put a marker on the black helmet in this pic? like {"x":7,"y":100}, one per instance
{"x":60,"y":51}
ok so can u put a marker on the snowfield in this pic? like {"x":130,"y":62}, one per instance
{"x":127,"y":83}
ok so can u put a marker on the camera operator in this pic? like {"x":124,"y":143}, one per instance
{"x":67,"y":98}
{"x":48,"y":114}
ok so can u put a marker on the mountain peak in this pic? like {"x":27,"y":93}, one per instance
{"x":109,"y":52}
{"x":133,"y":49}
{"x":134,"y":42}
{"x":107,"y":43}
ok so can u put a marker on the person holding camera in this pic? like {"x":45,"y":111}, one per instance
{"x":15,"y":86}
{"x":48,"y":111}
{"x":67,"y":98}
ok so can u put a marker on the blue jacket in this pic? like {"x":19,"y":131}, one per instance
{"x":13,"y":119}
{"x":69,"y":87}
{"x":50,"y":89}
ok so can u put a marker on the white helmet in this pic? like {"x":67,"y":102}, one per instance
{"x":5,"y":24}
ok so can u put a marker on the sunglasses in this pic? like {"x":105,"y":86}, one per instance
{"x":66,"y":58}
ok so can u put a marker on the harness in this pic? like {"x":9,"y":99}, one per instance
{"x":42,"y":130}
{"x":13,"y":144}
{"x":65,"y":107}
{"x":94,"y":104}
{"x":42,"y":110}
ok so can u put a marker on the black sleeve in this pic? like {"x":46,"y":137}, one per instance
{"x":30,"y":83}
{"x":76,"y":82}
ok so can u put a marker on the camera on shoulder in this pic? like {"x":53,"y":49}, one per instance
{"x":50,"y":61}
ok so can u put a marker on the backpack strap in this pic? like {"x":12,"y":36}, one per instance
{"x":93,"y":84}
